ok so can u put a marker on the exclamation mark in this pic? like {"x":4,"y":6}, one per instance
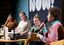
{"x":52,"y":2}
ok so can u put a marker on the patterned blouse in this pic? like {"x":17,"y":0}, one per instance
{"x":53,"y":32}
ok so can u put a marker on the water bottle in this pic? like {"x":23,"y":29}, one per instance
{"x":6,"y":33}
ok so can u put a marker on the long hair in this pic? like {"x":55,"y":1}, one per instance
{"x":55,"y":12}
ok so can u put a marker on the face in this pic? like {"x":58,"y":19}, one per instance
{"x":50,"y":18}
{"x":22,"y":16}
{"x":9,"y":17}
{"x":36,"y":21}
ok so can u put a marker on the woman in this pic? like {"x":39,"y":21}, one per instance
{"x":38,"y":27}
{"x":10,"y":23}
{"x":23,"y":26}
{"x":56,"y":26}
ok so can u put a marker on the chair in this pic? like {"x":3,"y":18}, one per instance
{"x":32,"y":38}
{"x":60,"y":42}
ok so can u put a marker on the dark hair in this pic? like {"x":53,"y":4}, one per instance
{"x":13,"y":18}
{"x":22,"y":12}
{"x":55,"y":12}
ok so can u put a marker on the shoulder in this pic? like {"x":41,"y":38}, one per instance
{"x":33,"y":27}
{"x":56,"y":23}
{"x":20,"y":23}
{"x":28,"y":21}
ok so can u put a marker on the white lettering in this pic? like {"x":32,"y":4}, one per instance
{"x":37,"y":4}
{"x":32,"y":5}
{"x":48,"y":4}
{"x":44,"y":4}
{"x":52,"y":2}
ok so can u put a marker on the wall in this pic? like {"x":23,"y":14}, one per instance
{"x":22,"y":5}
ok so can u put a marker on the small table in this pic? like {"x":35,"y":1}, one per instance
{"x":7,"y":42}
{"x":59,"y":42}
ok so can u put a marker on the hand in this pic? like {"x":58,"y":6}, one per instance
{"x":39,"y":35}
{"x":5,"y":28}
{"x":21,"y":33}
{"x":2,"y":25}
{"x":8,"y":20}
{"x":42,"y":24}
{"x":29,"y":34}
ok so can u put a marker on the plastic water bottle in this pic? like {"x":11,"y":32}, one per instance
{"x":6,"y":33}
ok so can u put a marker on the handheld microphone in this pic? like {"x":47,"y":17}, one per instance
{"x":32,"y":30}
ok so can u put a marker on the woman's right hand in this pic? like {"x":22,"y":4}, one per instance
{"x":2,"y":25}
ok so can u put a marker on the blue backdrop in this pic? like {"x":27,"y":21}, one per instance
{"x":23,"y":5}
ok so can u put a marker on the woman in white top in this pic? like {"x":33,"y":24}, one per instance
{"x":24,"y":25}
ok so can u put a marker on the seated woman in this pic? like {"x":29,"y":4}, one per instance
{"x":38,"y":27}
{"x":23,"y":26}
{"x":55,"y":31}
{"x":11,"y":23}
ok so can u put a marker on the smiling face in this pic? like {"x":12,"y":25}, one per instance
{"x":22,"y":16}
{"x":36,"y":21}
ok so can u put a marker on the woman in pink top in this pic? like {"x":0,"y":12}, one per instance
{"x":55,"y":31}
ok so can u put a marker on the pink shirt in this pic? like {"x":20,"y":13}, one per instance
{"x":53,"y":32}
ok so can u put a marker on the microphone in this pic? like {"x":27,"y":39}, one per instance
{"x":42,"y":25}
{"x":32,"y":30}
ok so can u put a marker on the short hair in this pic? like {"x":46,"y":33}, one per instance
{"x":55,"y":12}
{"x":37,"y":16}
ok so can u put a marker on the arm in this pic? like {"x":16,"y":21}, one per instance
{"x":60,"y":32}
{"x":5,"y":24}
{"x":26,"y":29}
{"x":7,"y":21}
{"x":53,"y":32}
